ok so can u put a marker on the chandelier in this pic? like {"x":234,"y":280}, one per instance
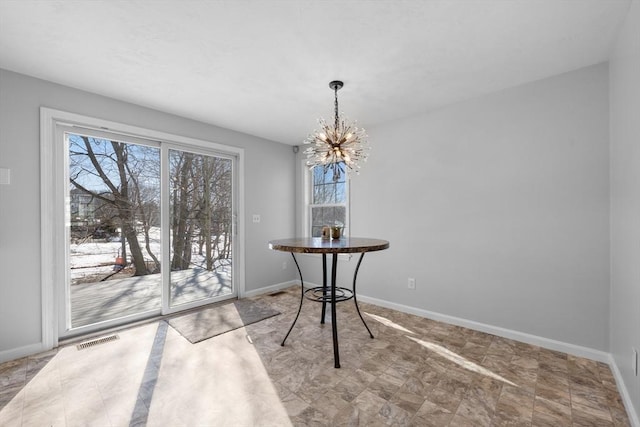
{"x":337,"y":144}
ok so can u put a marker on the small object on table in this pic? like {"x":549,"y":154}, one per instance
{"x":326,"y":232}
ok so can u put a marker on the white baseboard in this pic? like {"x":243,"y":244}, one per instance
{"x":576,"y":350}
{"x":270,"y":289}
{"x":550,"y":344}
{"x":17,"y":353}
{"x":634,"y":419}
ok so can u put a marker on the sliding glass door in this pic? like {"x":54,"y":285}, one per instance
{"x":149,"y":226}
{"x":201,"y":227}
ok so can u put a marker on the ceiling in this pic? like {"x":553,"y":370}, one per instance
{"x":263,"y":67}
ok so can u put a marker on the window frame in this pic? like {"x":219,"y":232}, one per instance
{"x":308,"y":184}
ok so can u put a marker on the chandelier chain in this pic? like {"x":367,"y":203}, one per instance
{"x":336,"y":107}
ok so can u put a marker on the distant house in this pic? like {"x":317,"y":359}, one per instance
{"x":82,"y":208}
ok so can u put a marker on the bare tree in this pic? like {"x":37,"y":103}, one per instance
{"x":200,"y":198}
{"x":180,"y":198}
{"x":147,"y":215}
{"x":110,"y":164}
{"x":125,"y":178}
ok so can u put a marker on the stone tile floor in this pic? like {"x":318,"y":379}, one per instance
{"x":416,"y":372}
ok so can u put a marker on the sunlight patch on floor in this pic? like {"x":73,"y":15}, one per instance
{"x":152,"y":376}
{"x":389,"y":323}
{"x":461,"y":361}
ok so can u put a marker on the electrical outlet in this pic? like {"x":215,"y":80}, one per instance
{"x":256,"y":218}
{"x":284,"y":265}
{"x":635,"y":362}
{"x":411,"y":283}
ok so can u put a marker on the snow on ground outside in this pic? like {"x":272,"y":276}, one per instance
{"x":96,"y":258}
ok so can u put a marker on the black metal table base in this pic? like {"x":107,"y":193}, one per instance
{"x":329,"y":294}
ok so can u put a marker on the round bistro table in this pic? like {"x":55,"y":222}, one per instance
{"x":329,"y":294}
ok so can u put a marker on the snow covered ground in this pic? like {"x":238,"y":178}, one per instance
{"x":92,"y":260}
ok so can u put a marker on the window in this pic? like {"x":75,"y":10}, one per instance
{"x":328,"y":199}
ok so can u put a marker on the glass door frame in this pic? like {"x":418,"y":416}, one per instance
{"x":65,"y":327}
{"x":53,"y":183}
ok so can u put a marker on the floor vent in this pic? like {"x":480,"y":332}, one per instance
{"x":276,"y":293}
{"x":96,"y":341}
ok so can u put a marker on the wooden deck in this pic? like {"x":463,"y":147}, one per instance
{"x":97,"y":302}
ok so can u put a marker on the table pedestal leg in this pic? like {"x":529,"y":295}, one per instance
{"x":334,"y":320}
{"x":301,"y":299}
{"x":324,"y":287}
{"x":355,"y":300}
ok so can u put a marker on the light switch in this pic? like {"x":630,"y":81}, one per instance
{"x":5,"y":176}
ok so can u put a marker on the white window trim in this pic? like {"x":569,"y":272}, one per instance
{"x":52,"y":196}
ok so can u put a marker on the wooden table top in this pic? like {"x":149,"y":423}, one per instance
{"x":317,"y":245}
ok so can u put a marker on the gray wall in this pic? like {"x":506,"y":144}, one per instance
{"x":625,"y":201}
{"x":498,"y":207}
{"x":269,"y":191}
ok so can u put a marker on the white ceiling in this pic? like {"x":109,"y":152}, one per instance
{"x":263,"y":67}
